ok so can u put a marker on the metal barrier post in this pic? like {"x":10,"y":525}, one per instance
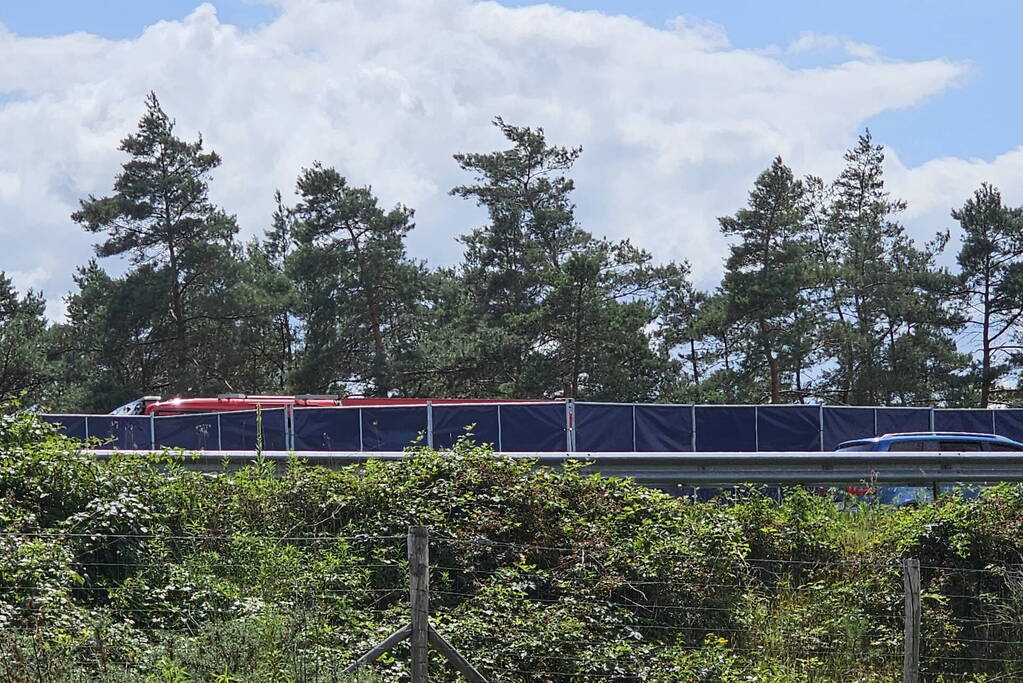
{"x":756,"y":429}
{"x":820,"y":425}
{"x":429,"y":424}
{"x":633,"y":427}
{"x":570,"y":424}
{"x":500,"y":448}
{"x":693,"y":435}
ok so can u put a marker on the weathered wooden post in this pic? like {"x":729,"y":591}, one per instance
{"x":419,"y":631}
{"x":419,"y":601}
{"x":911,"y":642}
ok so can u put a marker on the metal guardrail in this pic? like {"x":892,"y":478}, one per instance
{"x":696,"y":468}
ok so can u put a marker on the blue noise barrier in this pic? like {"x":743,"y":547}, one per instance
{"x":604,"y":427}
{"x":788,"y":428}
{"x":72,"y":426}
{"x":190,"y":432}
{"x":393,"y":429}
{"x":726,"y":428}
{"x":843,"y":424}
{"x":1009,"y":423}
{"x":128,"y":432}
{"x":533,"y":427}
{"x":238,"y":430}
{"x":903,"y":420}
{"x":450,"y":422}
{"x":327,"y":429}
{"x":964,"y":421}
{"x":664,"y":428}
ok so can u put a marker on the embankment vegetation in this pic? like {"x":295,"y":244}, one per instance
{"x":136,"y":569}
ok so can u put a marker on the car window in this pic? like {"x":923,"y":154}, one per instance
{"x":962,"y":446}
{"x":994,"y":446}
{"x":913,"y":446}
{"x":856,"y":447}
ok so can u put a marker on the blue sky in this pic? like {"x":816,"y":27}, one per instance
{"x":977,"y":120}
{"x":980,"y":119}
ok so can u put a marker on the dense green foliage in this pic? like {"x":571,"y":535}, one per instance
{"x":26,"y":365}
{"x":137,"y":569}
{"x":824,"y":297}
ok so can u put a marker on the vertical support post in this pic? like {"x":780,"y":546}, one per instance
{"x":692,"y":436}
{"x":152,"y":431}
{"x":500,"y":447}
{"x":874,"y":412}
{"x":419,"y":599}
{"x":361,"y":445}
{"x":220,"y":435}
{"x":820,"y":421}
{"x":994,"y":427}
{"x":930,"y":415}
{"x":633,"y":427}
{"x":911,"y":652}
{"x":86,"y":427}
{"x":419,"y":631}
{"x":756,"y":429}
{"x":570,"y":425}
{"x":289,"y":428}
{"x":429,"y":424}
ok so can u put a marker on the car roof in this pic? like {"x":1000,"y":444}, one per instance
{"x":926,"y":436}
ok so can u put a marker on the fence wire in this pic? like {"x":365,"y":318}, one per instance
{"x":77,"y":606}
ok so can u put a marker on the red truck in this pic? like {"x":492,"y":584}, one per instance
{"x":159,"y":406}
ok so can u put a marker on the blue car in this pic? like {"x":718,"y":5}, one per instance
{"x":928,"y":442}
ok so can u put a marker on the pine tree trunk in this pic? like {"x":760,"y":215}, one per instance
{"x":985,"y":361}
{"x":692,"y":359}
{"x":178,"y":311}
{"x":775,"y":369}
{"x":380,"y":369}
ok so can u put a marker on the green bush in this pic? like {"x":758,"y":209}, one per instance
{"x":139,"y":569}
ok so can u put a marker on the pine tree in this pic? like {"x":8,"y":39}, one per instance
{"x":272,"y":340}
{"x":180,"y":306}
{"x":360,"y":296}
{"x":27,"y":372}
{"x":549,"y":310}
{"x":682,"y":333}
{"x":890,"y":326}
{"x":767,"y":276}
{"x":991,"y":268}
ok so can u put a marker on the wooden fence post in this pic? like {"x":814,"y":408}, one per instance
{"x":419,"y":631}
{"x":419,"y":601}
{"x":911,"y":642}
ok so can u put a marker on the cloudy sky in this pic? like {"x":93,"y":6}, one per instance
{"x":677,"y":104}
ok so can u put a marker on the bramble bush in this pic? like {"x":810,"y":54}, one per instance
{"x":138,"y":569}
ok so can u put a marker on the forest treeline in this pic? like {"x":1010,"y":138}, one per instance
{"x":824,"y":297}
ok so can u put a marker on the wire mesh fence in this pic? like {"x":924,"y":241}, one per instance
{"x":101,"y":605}
{"x":95,"y":605}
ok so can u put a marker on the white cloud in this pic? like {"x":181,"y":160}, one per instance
{"x":674,"y":122}
{"x":810,"y":41}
